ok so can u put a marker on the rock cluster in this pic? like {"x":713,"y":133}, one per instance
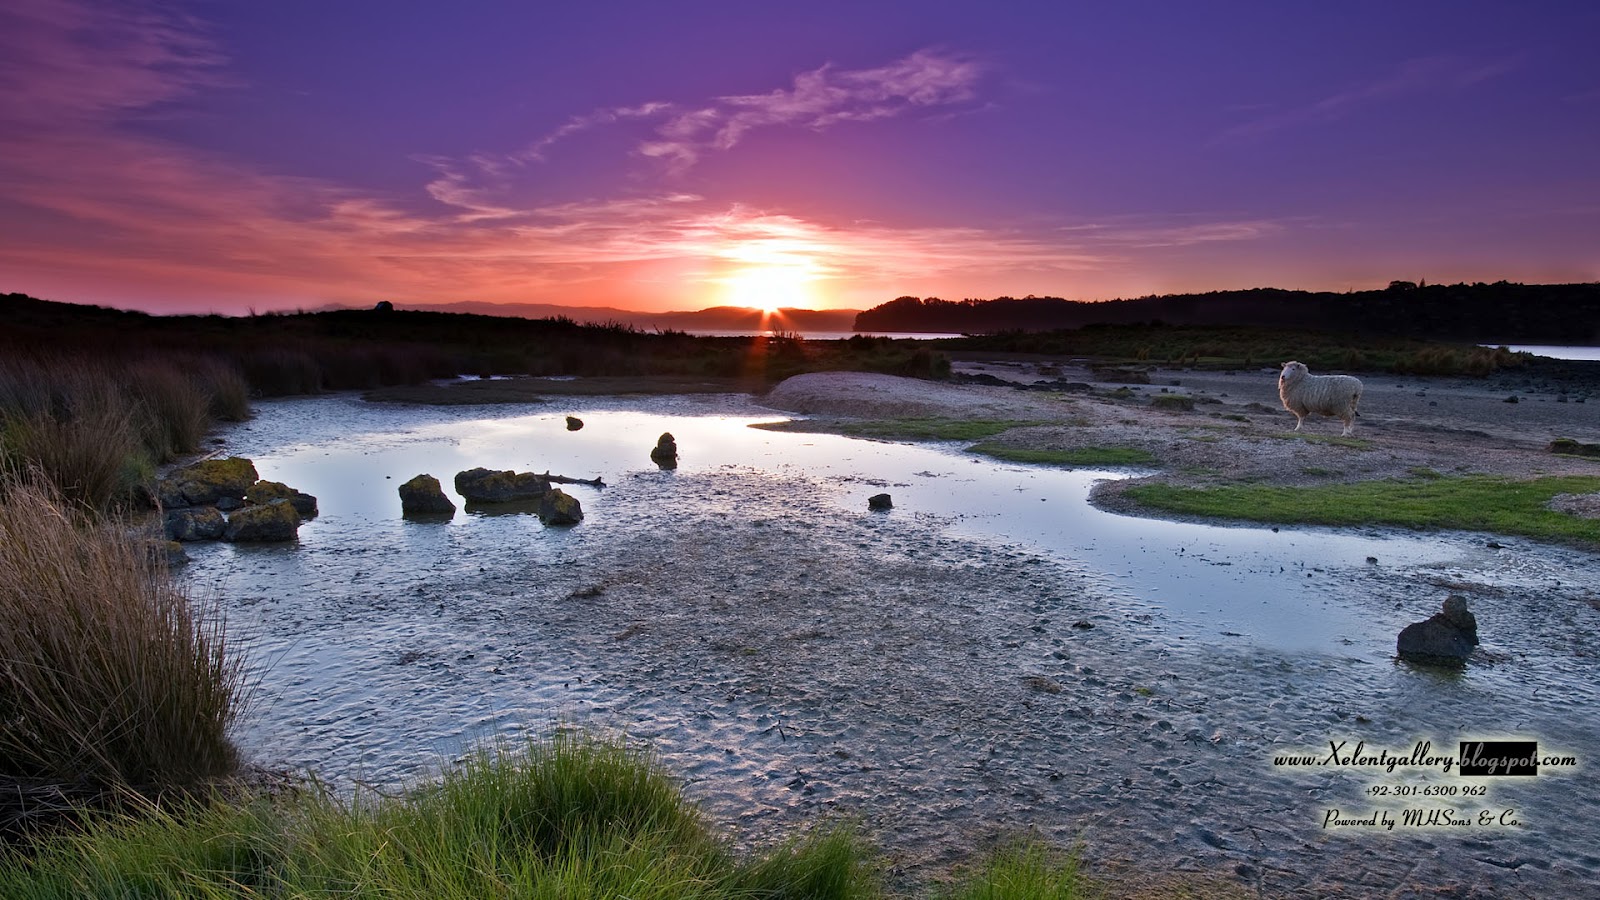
{"x":1445,"y":639}
{"x":665,"y":453}
{"x":555,"y":507}
{"x":195,"y":499}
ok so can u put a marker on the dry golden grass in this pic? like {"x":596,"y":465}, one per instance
{"x":109,"y":676}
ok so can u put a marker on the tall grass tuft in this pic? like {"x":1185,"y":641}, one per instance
{"x":109,"y":676}
{"x":76,"y":426}
{"x":1025,"y":871}
{"x":172,"y":410}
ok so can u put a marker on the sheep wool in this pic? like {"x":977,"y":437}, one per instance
{"x":1329,"y":395}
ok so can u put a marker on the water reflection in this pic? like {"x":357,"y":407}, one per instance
{"x":1258,"y":585}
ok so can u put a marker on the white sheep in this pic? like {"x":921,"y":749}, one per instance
{"x":1330,"y":395}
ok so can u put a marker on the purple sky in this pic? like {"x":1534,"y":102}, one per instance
{"x":220,"y":156}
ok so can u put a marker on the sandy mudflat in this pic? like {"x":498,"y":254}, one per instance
{"x":791,"y":659}
{"x":1238,"y":428}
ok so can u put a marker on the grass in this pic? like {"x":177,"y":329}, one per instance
{"x":1024,"y":871}
{"x":98,"y":428}
{"x":908,"y":429}
{"x":1077,"y":456}
{"x":110,"y":679}
{"x":1467,"y":503}
{"x":565,"y":817}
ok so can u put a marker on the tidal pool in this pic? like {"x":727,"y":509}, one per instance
{"x":992,"y":654}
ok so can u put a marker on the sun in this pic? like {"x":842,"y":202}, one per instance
{"x":770,"y":288}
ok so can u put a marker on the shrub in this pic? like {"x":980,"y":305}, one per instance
{"x":109,"y":677}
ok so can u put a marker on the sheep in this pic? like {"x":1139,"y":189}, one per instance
{"x":1330,"y":395}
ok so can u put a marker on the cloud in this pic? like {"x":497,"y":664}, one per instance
{"x":927,"y":80}
{"x":65,"y":62}
{"x":1426,"y":75}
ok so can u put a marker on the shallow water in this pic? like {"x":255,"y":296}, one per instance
{"x":786,"y":651}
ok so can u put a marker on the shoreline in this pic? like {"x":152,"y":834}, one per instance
{"x":1237,"y":430}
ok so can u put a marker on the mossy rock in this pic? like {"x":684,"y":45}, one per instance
{"x":557,"y":507}
{"x":1173,"y":402}
{"x":487,"y":486}
{"x":1570,"y":447}
{"x":276,"y":521}
{"x":207,"y":481}
{"x":268,"y":491}
{"x":202,"y":523}
{"x":423,"y":496}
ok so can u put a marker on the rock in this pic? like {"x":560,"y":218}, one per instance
{"x":200,"y":523}
{"x":1120,"y":375}
{"x":422,"y":496}
{"x":267,"y":522}
{"x":557,"y":507}
{"x":210,"y":480}
{"x":880,"y":501}
{"x":665,"y":453}
{"x":1175,"y":402}
{"x":1455,"y":609}
{"x":1570,"y":447}
{"x":1445,"y":639}
{"x":486,"y":486}
{"x":172,"y":553}
{"x":268,"y":491}
{"x":574,"y":423}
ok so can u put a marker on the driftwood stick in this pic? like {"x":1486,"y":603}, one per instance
{"x":562,"y":479}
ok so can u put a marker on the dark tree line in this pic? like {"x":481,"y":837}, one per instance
{"x":1502,"y":312}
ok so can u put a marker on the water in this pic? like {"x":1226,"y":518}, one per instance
{"x":993,"y":653}
{"x":1554,"y":352}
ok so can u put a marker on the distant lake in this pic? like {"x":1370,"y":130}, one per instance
{"x":1554,"y":352}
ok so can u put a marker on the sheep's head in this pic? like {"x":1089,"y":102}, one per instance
{"x":1293,"y":371}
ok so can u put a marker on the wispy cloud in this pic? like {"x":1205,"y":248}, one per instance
{"x":926,"y":81}
{"x":1425,"y":75}
{"x":67,"y":62}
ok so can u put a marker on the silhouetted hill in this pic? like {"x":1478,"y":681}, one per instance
{"x":716,"y":318}
{"x":1500,"y":313}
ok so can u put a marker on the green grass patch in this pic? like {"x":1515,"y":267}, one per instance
{"x":1025,"y":871}
{"x":1077,"y":456}
{"x":567,"y":817}
{"x":910,"y":429}
{"x":1468,"y":503}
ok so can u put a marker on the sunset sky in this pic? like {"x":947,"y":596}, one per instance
{"x":206,"y":155}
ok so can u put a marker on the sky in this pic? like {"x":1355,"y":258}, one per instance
{"x":224,"y":156}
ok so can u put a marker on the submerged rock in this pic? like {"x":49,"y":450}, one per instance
{"x":268,"y":491}
{"x":1445,"y":639}
{"x":423,"y":496}
{"x":557,"y":507}
{"x":487,"y":486}
{"x":880,"y":501}
{"x":268,"y":522}
{"x":200,"y":523}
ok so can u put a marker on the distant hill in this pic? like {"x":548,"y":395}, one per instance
{"x":1502,"y":312}
{"x":716,"y":318}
